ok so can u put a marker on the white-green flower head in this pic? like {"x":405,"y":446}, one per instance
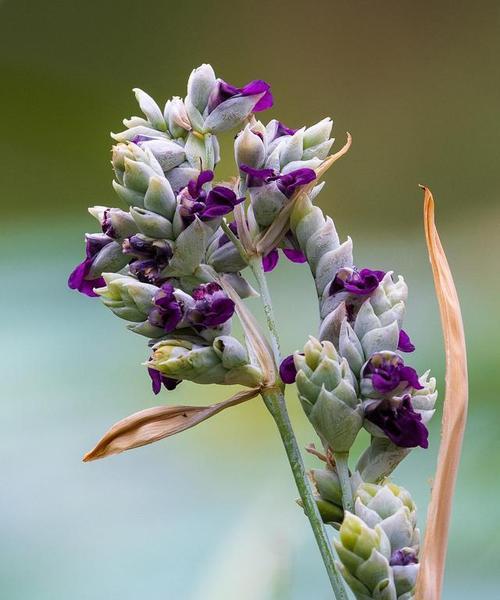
{"x":391,"y":507}
{"x":224,"y":362}
{"x":364,"y":554}
{"x":128,"y":298}
{"x":289,"y":149}
{"x":327,"y":393}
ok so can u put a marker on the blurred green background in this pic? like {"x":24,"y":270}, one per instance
{"x":210,"y":514}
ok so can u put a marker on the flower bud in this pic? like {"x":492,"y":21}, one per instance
{"x":364,"y":554}
{"x":168,"y":153}
{"x":152,"y":224}
{"x":201,"y":83}
{"x":126,"y":297}
{"x":318,"y":134}
{"x":249,"y":148}
{"x":150,"y":109}
{"x":180,"y":359}
{"x":115,"y":223}
{"x":176,"y":117}
{"x":326,"y":391}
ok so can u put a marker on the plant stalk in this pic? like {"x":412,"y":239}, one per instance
{"x":256,"y":265}
{"x":342,"y":464}
{"x":275,"y":402}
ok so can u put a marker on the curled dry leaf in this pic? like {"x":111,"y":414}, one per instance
{"x":153,"y":424}
{"x":275,"y":233}
{"x":430,"y":578}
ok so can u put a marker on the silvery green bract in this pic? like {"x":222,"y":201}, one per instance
{"x":327,"y":394}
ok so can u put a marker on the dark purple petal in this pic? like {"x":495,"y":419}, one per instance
{"x":258,"y":177}
{"x":212,"y":306}
{"x":224,"y":91}
{"x":388,"y":371}
{"x":364,"y":282}
{"x":402,"y":425}
{"x":283,"y":130}
{"x":153,"y":257}
{"x":296,"y":256}
{"x":269,"y":261}
{"x":167,"y":312}
{"x":288,"y":372}
{"x":220,"y":201}
{"x":403,"y":557}
{"x":77,"y":281}
{"x":404,"y":343}
{"x":336,"y":286}
{"x":157,"y":379}
{"x":410,"y":375}
{"x":195,"y":185}
{"x":288,"y":183}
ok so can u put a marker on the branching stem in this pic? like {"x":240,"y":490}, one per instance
{"x":342,"y":464}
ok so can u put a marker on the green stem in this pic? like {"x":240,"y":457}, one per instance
{"x":342,"y":464}
{"x":275,"y":402}
{"x":235,"y":240}
{"x":256,"y":265}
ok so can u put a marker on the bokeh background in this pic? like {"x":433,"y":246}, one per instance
{"x":210,"y":514}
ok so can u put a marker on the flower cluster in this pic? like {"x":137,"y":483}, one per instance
{"x":170,"y":262}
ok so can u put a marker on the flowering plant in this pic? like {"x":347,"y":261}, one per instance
{"x":173,"y":266}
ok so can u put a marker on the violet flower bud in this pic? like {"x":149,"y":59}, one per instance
{"x":211,"y":307}
{"x":167,"y":311}
{"x":228,"y":106}
{"x":385,"y":373}
{"x":195,"y":201}
{"x":397,"y":419}
{"x":151,"y":258}
{"x":102,"y":254}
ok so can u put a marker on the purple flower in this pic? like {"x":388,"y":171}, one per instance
{"x":359,"y":283}
{"x":78,"y":280}
{"x":152,"y":257}
{"x":287,"y":183}
{"x":157,"y":379}
{"x":211,"y":308}
{"x":403,"y":557}
{"x":196,"y":202}
{"x":288,"y":372}
{"x":282,"y":130}
{"x":387,"y":372}
{"x":269,"y":261}
{"x":401,"y":424}
{"x":224,"y":91}
{"x":404,"y":343}
{"x":167,"y":312}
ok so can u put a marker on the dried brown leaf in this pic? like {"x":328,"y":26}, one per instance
{"x":153,"y":424}
{"x":430,"y":578}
